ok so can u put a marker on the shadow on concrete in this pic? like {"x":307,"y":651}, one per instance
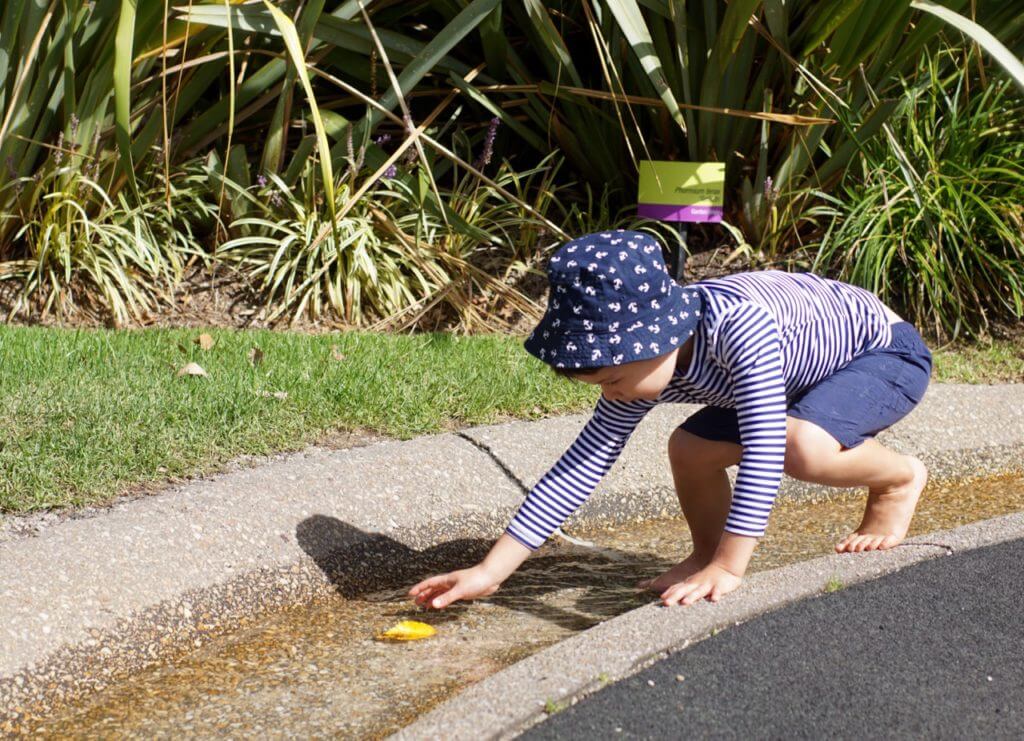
{"x":376,"y":567}
{"x":373,"y":566}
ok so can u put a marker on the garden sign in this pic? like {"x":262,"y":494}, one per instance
{"x":683,"y":192}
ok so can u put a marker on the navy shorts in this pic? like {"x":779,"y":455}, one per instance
{"x":870,"y":393}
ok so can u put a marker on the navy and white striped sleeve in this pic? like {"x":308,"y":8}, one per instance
{"x":576,"y":474}
{"x":749,"y":346}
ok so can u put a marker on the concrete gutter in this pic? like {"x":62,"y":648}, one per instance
{"x":505,"y":704}
{"x":88,"y":600}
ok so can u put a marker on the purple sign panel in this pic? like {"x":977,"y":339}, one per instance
{"x":665,"y":212}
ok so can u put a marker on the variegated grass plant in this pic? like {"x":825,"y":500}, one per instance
{"x":93,"y":251}
{"x":394,"y":261}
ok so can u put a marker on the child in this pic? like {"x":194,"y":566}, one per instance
{"x":798,"y":374}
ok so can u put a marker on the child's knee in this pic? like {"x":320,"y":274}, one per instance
{"x":809,"y":449}
{"x":689,"y":453}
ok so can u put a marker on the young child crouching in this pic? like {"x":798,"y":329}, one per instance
{"x":797,"y":374}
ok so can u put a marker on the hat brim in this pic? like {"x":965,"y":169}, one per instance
{"x":576,"y":349}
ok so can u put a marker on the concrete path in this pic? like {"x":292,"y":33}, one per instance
{"x":934,"y":650}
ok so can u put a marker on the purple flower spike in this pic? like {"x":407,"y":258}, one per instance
{"x":485,"y":158}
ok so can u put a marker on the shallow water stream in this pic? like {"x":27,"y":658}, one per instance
{"x":316,"y":670}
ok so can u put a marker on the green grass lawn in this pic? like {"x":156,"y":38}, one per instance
{"x":84,"y":413}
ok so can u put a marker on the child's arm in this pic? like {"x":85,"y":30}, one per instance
{"x":556,"y":496}
{"x":749,"y":347}
{"x":573,"y":478}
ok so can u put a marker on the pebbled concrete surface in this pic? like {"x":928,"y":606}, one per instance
{"x":934,"y":650}
{"x":86,"y":599}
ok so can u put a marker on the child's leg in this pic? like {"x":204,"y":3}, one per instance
{"x":894,"y":484}
{"x":702,"y":486}
{"x":894,"y":481}
{"x":831,"y":428}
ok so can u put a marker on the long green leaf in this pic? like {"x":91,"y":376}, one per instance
{"x":843,"y":155}
{"x":277,"y":132}
{"x":123,"y":89}
{"x":538,"y":14}
{"x":294,"y":47}
{"x":423,"y":64}
{"x":987,"y":41}
{"x":329,"y":29}
{"x":726,"y":41}
{"x":631,"y":21}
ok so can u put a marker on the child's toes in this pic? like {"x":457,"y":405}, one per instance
{"x":872,"y":542}
{"x":847,"y":543}
{"x":866,"y":543}
{"x":882,"y":542}
{"x":888,"y":541}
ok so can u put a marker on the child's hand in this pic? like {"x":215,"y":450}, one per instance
{"x":440,"y":591}
{"x":712,"y":580}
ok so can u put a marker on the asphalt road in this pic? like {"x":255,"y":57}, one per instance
{"x":935,"y":650}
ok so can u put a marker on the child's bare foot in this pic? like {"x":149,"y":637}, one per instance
{"x":680,"y":572}
{"x":887,"y":515}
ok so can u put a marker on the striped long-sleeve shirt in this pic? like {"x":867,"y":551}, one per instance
{"x":763,"y":338}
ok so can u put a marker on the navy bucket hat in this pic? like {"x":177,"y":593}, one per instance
{"x":612,"y":301}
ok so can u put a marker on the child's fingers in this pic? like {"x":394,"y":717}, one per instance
{"x":420,"y":590}
{"x":447,"y":597}
{"x":432,"y":589}
{"x":432,"y":581}
{"x":697,"y":594}
{"x":692,"y":596}
{"x":684,"y":593}
{"x":676,"y":592}
{"x":428,"y":594}
{"x":680,"y":588}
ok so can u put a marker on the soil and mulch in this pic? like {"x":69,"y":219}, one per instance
{"x":223,"y":297}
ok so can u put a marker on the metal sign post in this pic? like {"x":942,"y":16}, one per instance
{"x":677,"y":261}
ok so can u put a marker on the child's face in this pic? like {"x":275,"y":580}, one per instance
{"x":641,"y":379}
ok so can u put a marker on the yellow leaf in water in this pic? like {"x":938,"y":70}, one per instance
{"x":407,"y":630}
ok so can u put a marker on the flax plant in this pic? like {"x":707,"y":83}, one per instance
{"x":778,"y":90}
{"x":808,"y":57}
